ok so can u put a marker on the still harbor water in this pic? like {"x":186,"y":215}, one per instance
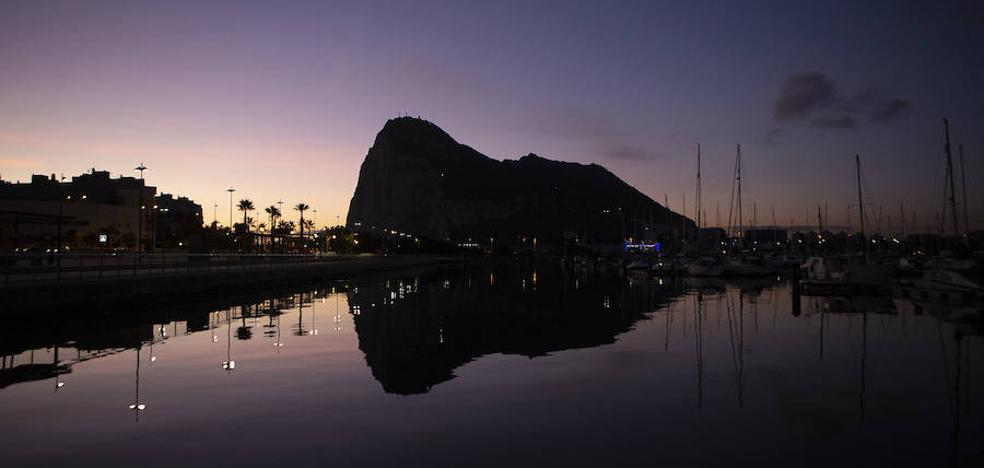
{"x":500,"y":366}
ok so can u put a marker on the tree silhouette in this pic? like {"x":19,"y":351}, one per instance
{"x":245,"y":205}
{"x":274,"y":213}
{"x":302,"y":207}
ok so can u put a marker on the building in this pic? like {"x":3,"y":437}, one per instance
{"x":91,"y":210}
{"x":177,"y":220}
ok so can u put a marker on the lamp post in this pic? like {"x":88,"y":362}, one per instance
{"x":231,"y":191}
{"x":314,"y":226}
{"x":140,"y":168}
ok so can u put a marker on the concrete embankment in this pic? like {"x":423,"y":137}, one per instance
{"x":161,"y":289}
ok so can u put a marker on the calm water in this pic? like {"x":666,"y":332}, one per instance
{"x":503,"y":367}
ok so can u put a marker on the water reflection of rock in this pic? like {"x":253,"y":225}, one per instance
{"x":415,"y":332}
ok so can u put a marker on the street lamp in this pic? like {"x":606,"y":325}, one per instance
{"x":140,"y":168}
{"x":230,"y":190}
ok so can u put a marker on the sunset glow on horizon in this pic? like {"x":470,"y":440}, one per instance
{"x":282,"y":101}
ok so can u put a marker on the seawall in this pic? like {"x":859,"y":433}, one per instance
{"x":161,"y":289}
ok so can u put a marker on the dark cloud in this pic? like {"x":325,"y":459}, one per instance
{"x":844,"y":122}
{"x":803,"y":93}
{"x":889,"y":111}
{"x":630,"y":153}
{"x":772,"y":136}
{"x":814,"y":95}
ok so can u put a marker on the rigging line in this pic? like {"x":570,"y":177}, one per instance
{"x":731,"y":204}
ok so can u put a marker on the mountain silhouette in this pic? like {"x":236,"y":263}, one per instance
{"x":417,"y":179}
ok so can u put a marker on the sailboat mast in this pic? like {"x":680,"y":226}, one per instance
{"x":963,"y":184}
{"x":951,"y":197}
{"x":864,"y":239}
{"x":739,"y":192}
{"x":699,"y":214}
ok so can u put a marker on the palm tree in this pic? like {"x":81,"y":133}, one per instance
{"x":245,"y":205}
{"x":284,"y":227}
{"x":302,"y":207}
{"x":274,"y":213}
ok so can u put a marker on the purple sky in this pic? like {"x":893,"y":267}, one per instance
{"x":282,"y":99}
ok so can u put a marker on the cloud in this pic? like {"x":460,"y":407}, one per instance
{"x":814,"y":95}
{"x":844,"y":122}
{"x":802,"y":94}
{"x":772,"y":136}
{"x":630,"y":153}
{"x":890,"y":110}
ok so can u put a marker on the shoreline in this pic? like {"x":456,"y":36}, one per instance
{"x":172,"y":289}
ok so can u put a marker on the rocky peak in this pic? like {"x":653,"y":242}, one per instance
{"x":416,"y":178}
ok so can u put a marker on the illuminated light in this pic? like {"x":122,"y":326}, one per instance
{"x":642,"y":246}
{"x":60,"y":384}
{"x":661,"y":281}
{"x":153,"y":359}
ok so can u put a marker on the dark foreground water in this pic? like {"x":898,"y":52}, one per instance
{"x":505,"y":368}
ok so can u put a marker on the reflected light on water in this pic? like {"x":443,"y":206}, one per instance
{"x":646,"y":359}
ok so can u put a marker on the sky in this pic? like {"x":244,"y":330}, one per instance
{"x":281,"y":100}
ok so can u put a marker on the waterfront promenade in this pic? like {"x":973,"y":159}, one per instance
{"x":30,"y":283}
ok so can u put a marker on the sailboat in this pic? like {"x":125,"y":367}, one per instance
{"x":844,"y":273}
{"x":741,"y":264}
{"x":703,"y":266}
